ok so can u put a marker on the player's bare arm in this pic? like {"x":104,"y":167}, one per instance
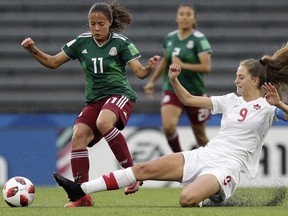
{"x":149,"y":87}
{"x":143,"y":72}
{"x":184,"y":96}
{"x":48,"y":61}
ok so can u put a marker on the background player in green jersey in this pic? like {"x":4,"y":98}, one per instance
{"x":190,"y":49}
{"x":103,"y":55}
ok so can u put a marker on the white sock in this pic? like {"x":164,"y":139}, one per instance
{"x":123,"y":178}
{"x":94,"y":185}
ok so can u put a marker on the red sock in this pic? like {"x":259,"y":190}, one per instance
{"x":119,"y":147}
{"x":80,"y":165}
{"x":174,"y":143}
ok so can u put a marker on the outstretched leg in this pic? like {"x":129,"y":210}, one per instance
{"x":166,"y":168}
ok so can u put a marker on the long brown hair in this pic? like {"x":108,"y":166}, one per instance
{"x":271,"y":68}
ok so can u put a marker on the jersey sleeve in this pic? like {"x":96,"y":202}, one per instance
{"x":129,"y":51}
{"x":70,"y":49}
{"x":202,"y":43}
{"x":220,"y":103}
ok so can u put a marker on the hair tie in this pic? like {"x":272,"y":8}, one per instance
{"x":262,"y":62}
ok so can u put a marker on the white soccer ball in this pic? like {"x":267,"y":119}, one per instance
{"x":19,"y":192}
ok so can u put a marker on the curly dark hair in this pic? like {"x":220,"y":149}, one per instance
{"x":119,"y":15}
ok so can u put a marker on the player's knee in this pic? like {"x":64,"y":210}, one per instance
{"x":103,"y":125}
{"x":189,"y":200}
{"x":169,"y":130}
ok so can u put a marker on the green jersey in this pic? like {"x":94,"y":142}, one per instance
{"x":187,"y":50}
{"x":104,"y":65}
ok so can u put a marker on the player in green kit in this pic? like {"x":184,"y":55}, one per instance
{"x":189,"y":48}
{"x":104,"y":65}
{"x":103,"y":54}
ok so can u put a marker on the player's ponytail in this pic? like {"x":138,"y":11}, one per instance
{"x":122,"y":18}
{"x":277,"y":70}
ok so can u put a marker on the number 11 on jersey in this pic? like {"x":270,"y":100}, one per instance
{"x":98,"y":62}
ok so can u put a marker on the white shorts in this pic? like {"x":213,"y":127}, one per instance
{"x":203,"y":161}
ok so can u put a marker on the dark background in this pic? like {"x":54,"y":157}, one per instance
{"x":236,"y":30}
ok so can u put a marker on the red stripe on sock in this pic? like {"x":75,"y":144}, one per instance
{"x":110,"y":181}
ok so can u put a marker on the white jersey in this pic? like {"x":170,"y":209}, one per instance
{"x":243,"y":128}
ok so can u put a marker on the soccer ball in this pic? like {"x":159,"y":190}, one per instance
{"x":19,"y":192}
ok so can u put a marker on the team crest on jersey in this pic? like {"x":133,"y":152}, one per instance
{"x":113,"y":51}
{"x":257,"y":107}
{"x":190,"y":44}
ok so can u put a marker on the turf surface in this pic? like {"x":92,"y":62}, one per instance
{"x":154,"y":201}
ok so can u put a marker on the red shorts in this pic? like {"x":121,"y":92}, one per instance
{"x":195,"y":114}
{"x":120,"y":105}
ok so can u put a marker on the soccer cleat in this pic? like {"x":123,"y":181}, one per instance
{"x":82,"y":202}
{"x":73,"y":190}
{"x":133,"y":187}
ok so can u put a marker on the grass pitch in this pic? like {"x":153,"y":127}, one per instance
{"x":153,"y":201}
